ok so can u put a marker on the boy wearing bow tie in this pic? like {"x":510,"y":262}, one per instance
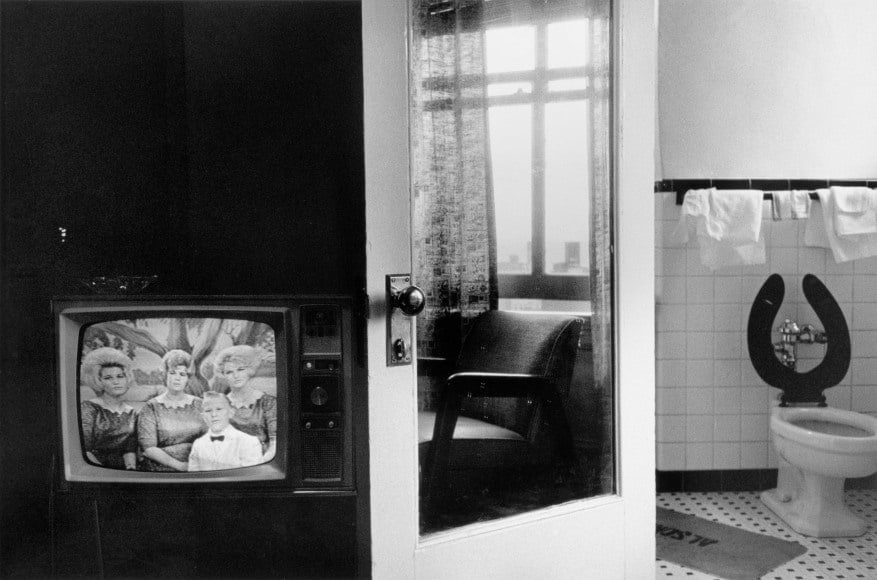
{"x":223,"y":446}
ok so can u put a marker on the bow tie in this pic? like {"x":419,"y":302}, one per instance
{"x":217,"y":438}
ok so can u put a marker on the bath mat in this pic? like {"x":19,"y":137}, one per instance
{"x":715,"y":548}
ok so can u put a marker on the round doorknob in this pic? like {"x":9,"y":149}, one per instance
{"x":411,"y":301}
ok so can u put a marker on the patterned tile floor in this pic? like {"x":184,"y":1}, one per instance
{"x":826,"y":558}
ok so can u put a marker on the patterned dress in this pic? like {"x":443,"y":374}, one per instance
{"x":258,"y":418}
{"x":172,"y":427}
{"x":108,"y":435}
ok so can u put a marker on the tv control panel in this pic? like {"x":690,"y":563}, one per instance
{"x":324,"y":397}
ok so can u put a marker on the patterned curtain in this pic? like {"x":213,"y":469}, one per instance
{"x":601,"y":273}
{"x":455,"y":239}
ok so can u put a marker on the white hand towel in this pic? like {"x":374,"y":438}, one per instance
{"x":800,"y":204}
{"x":727,"y":224}
{"x":854,"y":211}
{"x":692,"y":214}
{"x":734,"y":216}
{"x":844,"y":248}
{"x":814,"y":231}
{"x":781,"y":205}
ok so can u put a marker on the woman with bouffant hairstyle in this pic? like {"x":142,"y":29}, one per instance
{"x":108,"y":422}
{"x":170,"y":422}
{"x":255,"y":412}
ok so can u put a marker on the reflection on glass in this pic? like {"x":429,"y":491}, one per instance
{"x":566,"y":188}
{"x":511,"y":153}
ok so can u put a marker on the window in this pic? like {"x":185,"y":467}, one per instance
{"x":538,"y":109}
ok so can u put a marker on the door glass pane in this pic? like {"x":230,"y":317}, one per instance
{"x":511,"y":135}
{"x":567,"y":181}
{"x":512,"y":228}
{"x":510,"y":48}
{"x":507,"y":89}
{"x":568,"y":43}
{"x":574,"y":84}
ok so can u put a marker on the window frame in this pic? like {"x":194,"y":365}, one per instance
{"x":539,"y":284}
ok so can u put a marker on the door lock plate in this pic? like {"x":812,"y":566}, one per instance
{"x":400,"y":327}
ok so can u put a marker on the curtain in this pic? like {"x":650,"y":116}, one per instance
{"x":601,"y":236}
{"x":454,"y":229}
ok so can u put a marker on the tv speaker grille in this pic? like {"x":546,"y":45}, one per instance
{"x":322,"y":455}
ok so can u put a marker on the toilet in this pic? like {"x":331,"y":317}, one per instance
{"x":818,"y":448}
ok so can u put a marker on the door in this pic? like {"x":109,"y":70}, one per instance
{"x":610,"y":535}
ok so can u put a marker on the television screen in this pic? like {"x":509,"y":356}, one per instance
{"x":218,"y":390}
{"x":155,"y":392}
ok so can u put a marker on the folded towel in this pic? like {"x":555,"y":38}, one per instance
{"x":734,"y":216}
{"x":843,"y":248}
{"x":854,"y":210}
{"x":781,"y":205}
{"x":727,"y":224}
{"x":692,"y":214}
{"x":814,"y":231}
{"x":800,"y":204}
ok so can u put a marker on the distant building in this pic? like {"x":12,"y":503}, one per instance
{"x":572,"y":263}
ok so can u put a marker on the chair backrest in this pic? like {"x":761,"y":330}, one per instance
{"x":539,"y":344}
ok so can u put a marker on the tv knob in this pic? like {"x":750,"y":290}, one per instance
{"x":331,"y":424}
{"x":308,"y":425}
{"x":319,"y":396}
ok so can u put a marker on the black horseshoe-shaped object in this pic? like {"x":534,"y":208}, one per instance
{"x":798,"y":387}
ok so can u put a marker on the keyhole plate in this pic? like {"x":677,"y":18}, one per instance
{"x":399,"y":326}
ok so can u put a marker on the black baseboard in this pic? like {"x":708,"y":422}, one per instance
{"x":734,"y":480}
{"x":869,"y":482}
{"x":716,"y":480}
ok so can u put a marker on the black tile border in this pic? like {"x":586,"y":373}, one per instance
{"x":771,"y":184}
{"x":715,"y":480}
{"x":734,"y":480}
{"x":811,"y":183}
{"x":731,"y":183}
{"x":869,"y":482}
{"x":680,"y":186}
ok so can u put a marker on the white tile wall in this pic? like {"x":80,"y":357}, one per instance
{"x":712,"y":408}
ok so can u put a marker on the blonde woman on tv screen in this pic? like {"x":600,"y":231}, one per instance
{"x":108,"y":422}
{"x":255,"y":412}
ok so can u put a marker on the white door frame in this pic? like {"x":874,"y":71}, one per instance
{"x":608,"y":537}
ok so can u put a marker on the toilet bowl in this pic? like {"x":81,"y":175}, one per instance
{"x":818,"y":448}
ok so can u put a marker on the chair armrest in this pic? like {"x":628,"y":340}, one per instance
{"x":496,"y":384}
{"x":460,"y":385}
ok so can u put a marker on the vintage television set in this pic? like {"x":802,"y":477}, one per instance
{"x":303,"y":368}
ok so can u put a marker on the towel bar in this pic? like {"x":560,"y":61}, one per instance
{"x":768,"y":195}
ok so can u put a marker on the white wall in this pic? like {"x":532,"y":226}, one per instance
{"x":768,"y":88}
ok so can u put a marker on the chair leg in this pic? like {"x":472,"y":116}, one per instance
{"x":437,"y":462}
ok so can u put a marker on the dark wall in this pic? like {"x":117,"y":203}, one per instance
{"x":215,"y":145}
{"x":275,"y":145}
